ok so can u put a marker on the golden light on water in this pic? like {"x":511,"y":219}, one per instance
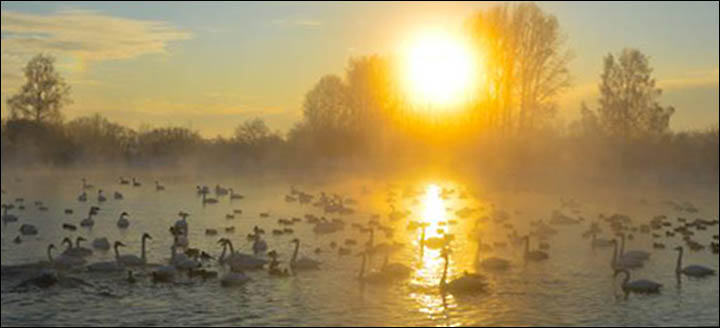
{"x":440,"y":70}
{"x":434,"y":210}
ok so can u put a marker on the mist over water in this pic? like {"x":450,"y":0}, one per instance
{"x":575,"y":287}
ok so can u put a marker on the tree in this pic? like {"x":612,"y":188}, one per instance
{"x":526,"y":65}
{"x":97,"y":137}
{"x":252,"y":132}
{"x":43,"y":95}
{"x":628,"y":97}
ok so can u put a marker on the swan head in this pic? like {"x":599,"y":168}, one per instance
{"x":119,"y":244}
{"x":295,"y":241}
{"x":67,"y":241}
{"x":679,"y":249}
{"x":147,"y":236}
{"x":124,"y":214}
{"x":51,"y":247}
{"x":80,"y":239}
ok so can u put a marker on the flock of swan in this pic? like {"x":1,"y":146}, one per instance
{"x":190,"y":263}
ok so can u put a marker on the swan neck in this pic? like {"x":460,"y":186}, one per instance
{"x":362,"y":266}
{"x":622,"y":245}
{"x":613,"y":263}
{"x":142,"y":251}
{"x":443,"y":281}
{"x":295,"y":253}
{"x":49,"y":255}
{"x":678,"y":268}
{"x":117,"y":253}
{"x":222,"y":255}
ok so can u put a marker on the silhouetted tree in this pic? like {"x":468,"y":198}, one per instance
{"x":526,"y":65}
{"x":628,"y":97}
{"x":252,"y":132}
{"x":43,"y":95}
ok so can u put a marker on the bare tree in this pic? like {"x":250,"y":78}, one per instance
{"x":43,"y":95}
{"x":526,"y":67}
{"x":628,"y":97}
{"x":252,"y":132}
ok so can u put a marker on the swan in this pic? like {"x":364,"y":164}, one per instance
{"x":8,"y":218}
{"x":86,"y":186}
{"x":374,"y":278}
{"x":491,"y":263}
{"x":132,"y":260}
{"x":303,"y":263}
{"x":208,"y":201}
{"x":638,"y":255}
{"x":123,"y":222}
{"x":639,"y":286}
{"x":220,"y":191}
{"x":63,"y":262}
{"x":534,"y":256}
{"x":181,"y":226}
{"x":106,"y":267}
{"x":600,"y":243}
{"x":101,"y":198}
{"x":118,"y":196}
{"x":234,"y":279}
{"x":124,"y":181}
{"x":102,"y":244}
{"x":694,"y":271}
{"x":238,"y":261}
{"x":159,"y":187}
{"x":76,"y":251}
{"x":89,"y":222}
{"x":136,"y":183}
{"x":182,"y":262}
{"x":395,"y":270}
{"x":259,"y":245}
{"x":28,"y":230}
{"x":83,"y":197}
{"x":234,"y":196}
{"x":619,"y":263}
{"x":468,"y":284}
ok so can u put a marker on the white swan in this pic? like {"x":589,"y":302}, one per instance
{"x":181,"y":226}
{"x":534,"y":256}
{"x":123,"y":222}
{"x":28,"y":230}
{"x":89,"y":222}
{"x":694,"y":271}
{"x":259,"y":245}
{"x":303,"y":263}
{"x":8,"y":218}
{"x":637,"y":255}
{"x":102,"y":244}
{"x":468,"y":284}
{"x":374,"y":278}
{"x":63,"y":262}
{"x":619,"y":263}
{"x":638,"y":286}
{"x":106,"y":267}
{"x":83,"y":197}
{"x":76,"y":251}
{"x":234,"y":279}
{"x":238,"y":261}
{"x":395,"y":270}
{"x":101,"y":198}
{"x":132,"y":260}
{"x":181,"y":261}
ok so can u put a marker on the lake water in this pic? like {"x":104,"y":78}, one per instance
{"x":574,"y":288}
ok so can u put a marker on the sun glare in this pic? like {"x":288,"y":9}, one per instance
{"x":439,"y":69}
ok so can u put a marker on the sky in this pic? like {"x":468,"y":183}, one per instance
{"x":211,"y":65}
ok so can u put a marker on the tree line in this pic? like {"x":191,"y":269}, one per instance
{"x":363,"y":113}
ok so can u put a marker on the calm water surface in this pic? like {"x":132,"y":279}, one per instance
{"x":574,"y":288}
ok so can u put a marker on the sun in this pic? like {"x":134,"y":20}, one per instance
{"x":439,"y":69}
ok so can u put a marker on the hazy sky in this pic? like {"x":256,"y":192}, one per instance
{"x":210,"y":66}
